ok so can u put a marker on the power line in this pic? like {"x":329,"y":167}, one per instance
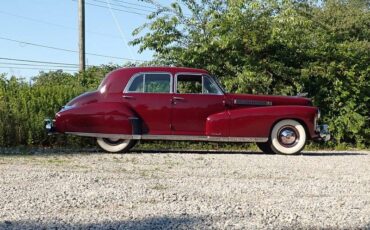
{"x":39,"y":45}
{"x":68,"y":50}
{"x":132,"y":12}
{"x":120,"y":30}
{"x":30,"y":68}
{"x":126,"y":11}
{"x":135,"y":4}
{"x":44,"y":65}
{"x":55,"y":24}
{"x":120,"y":5}
{"x":37,"y":61}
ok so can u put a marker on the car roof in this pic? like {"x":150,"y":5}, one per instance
{"x":116,"y":78}
{"x":160,"y":69}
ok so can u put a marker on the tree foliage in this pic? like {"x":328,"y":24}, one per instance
{"x":275,"y":47}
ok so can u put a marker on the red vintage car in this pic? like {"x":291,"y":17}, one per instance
{"x":170,"y":103}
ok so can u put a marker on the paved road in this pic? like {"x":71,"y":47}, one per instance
{"x":185,"y":190}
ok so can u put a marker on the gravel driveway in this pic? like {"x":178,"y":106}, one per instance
{"x":197,"y":190}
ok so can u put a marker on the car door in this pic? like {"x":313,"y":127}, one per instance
{"x":196,"y":97}
{"x":150,"y":95}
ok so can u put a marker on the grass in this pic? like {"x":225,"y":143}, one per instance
{"x":187,"y":145}
{"x":215,"y":146}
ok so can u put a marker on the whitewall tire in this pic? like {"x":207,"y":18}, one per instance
{"x":288,"y":137}
{"x":115,"y":145}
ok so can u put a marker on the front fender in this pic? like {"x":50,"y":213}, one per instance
{"x":101,"y":117}
{"x":258,"y":121}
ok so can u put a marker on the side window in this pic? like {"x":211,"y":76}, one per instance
{"x":157,"y":83}
{"x":189,"y":84}
{"x":151,"y":83}
{"x":196,"y":84}
{"x":136,"y":84}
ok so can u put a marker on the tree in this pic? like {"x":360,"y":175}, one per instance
{"x":275,"y":47}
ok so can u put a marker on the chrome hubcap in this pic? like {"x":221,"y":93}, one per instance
{"x":288,"y":136}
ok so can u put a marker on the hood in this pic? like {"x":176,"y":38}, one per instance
{"x":266,"y":100}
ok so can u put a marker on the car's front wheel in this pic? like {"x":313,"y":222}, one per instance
{"x":287,"y":137}
{"x":115,"y":145}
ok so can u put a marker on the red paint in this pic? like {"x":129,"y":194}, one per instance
{"x":108,"y":110}
{"x":189,"y":115}
{"x":154,"y":110}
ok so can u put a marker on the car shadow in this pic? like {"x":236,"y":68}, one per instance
{"x":336,"y":153}
{"x":65,"y":151}
{"x":209,"y":152}
{"x":146,"y":223}
{"x":165,"y":222}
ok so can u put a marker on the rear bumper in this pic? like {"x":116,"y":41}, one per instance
{"x":323,"y":132}
{"x":49,"y":126}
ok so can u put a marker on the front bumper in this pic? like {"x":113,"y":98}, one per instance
{"x":323,"y":132}
{"x":49,"y":126}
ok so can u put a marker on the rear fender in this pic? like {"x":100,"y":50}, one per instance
{"x":104,"y":117}
{"x":258,"y":121}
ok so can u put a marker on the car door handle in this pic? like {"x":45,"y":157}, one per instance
{"x":127,"y":96}
{"x":174,"y":99}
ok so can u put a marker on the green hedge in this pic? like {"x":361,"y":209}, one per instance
{"x":23,"y":107}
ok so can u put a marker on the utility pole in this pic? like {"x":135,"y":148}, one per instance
{"x":81,"y":42}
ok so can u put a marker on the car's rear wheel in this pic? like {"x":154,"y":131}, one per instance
{"x":115,"y":145}
{"x":287,"y":137}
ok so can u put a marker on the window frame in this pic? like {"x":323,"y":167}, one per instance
{"x":133,"y":77}
{"x":220,"y":91}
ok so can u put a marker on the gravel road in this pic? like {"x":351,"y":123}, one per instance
{"x":196,"y":190}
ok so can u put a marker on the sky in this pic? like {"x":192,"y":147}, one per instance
{"x":54,"y":23}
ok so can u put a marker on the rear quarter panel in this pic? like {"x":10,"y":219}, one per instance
{"x":104,"y":117}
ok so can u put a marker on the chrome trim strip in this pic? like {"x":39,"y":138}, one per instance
{"x":105,"y":135}
{"x":173,"y":137}
{"x":252,"y":102}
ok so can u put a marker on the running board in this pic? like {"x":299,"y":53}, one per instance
{"x":172,"y":137}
